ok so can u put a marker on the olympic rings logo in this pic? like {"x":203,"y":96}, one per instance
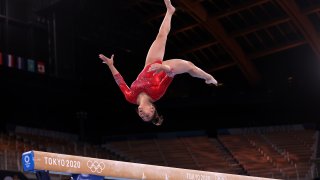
{"x":95,"y":166}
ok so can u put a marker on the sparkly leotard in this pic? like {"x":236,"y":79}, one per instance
{"x":155,"y":85}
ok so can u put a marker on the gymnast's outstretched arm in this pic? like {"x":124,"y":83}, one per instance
{"x":116,"y":75}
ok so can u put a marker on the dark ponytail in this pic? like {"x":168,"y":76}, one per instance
{"x":157,"y":119}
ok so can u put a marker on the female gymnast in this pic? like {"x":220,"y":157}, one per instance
{"x":157,"y":74}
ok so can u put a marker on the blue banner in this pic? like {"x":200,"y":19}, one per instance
{"x":28,"y":161}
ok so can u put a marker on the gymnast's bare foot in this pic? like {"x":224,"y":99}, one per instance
{"x":171,"y":9}
{"x":212,"y":81}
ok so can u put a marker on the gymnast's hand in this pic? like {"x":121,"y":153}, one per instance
{"x":108,"y":61}
{"x":158,"y":68}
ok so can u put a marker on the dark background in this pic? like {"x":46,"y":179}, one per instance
{"x":77,"y":93}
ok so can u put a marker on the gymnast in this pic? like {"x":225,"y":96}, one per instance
{"x":157,"y":74}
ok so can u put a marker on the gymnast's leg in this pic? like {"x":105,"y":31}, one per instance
{"x":179,"y":66}
{"x":157,"y":49}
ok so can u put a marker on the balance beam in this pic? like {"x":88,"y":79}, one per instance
{"x":38,"y":160}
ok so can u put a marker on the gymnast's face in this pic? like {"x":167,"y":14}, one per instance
{"x":146,"y":112}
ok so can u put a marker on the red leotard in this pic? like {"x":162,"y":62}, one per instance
{"x":155,"y":85}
